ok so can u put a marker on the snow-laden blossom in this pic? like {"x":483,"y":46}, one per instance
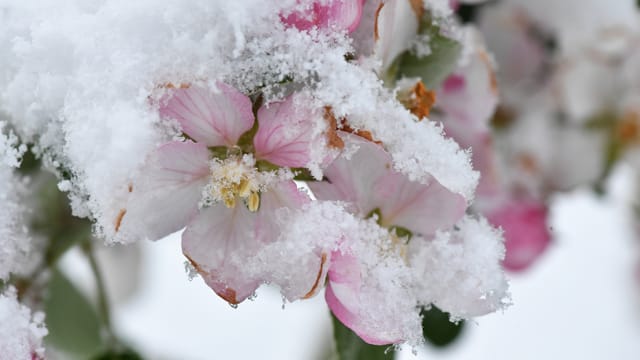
{"x":337,"y":15}
{"x":225,"y":183}
{"x":412,"y":217}
{"x":21,"y":331}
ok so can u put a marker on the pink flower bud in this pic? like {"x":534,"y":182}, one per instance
{"x":525,"y":230}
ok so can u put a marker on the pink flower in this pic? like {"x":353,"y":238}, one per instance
{"x":367,"y":181}
{"x":335,"y":15}
{"x":216,"y":187}
{"x":527,"y":236}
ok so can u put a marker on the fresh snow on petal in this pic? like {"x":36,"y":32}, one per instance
{"x":460,"y":271}
{"x":220,"y":241}
{"x":217,"y":241}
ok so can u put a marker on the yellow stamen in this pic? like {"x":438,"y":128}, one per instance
{"x":244,"y":188}
{"x":230,"y":201}
{"x":253,"y":202}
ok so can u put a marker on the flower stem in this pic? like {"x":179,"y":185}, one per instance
{"x":103,"y":301}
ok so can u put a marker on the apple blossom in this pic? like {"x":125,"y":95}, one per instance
{"x":413,"y":214}
{"x":217,"y":186}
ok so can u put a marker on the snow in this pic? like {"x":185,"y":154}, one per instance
{"x":78,"y":78}
{"x":21,"y":331}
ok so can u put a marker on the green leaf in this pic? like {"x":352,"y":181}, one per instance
{"x":438,"y":329}
{"x":350,"y":347}
{"x":73,"y":323}
{"x":435,"y":67}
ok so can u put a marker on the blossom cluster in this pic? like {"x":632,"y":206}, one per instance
{"x":293,"y":141}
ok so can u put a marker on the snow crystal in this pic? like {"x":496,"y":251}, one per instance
{"x":21,"y":331}
{"x":15,"y":243}
{"x":459,"y":271}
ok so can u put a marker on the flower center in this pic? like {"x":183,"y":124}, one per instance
{"x":233,"y":179}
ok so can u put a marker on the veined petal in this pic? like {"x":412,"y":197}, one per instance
{"x":368,"y":180}
{"x":216,"y":243}
{"x":343,"y":14}
{"x":165,"y":196}
{"x":352,"y":177}
{"x":421,"y":208}
{"x":285,"y":133}
{"x":210,"y":118}
{"x":221,"y":241}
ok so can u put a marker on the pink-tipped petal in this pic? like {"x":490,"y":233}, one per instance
{"x":371,"y":301}
{"x":284,"y":134}
{"x":343,"y":14}
{"x":208,"y":117}
{"x":525,"y":231}
{"x":165,"y":196}
{"x":335,"y":15}
{"x":343,"y":296}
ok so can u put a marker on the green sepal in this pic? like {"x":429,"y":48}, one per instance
{"x":219,"y":152}
{"x":402,"y":232}
{"x":303,"y":174}
{"x":375,"y":212}
{"x":266,"y":166}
